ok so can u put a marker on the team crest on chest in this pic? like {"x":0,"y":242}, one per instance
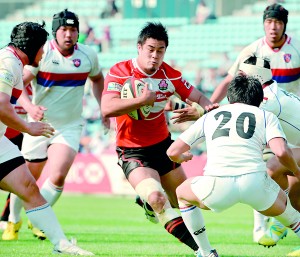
{"x":77,"y":62}
{"x":163,"y":85}
{"x":287,"y":58}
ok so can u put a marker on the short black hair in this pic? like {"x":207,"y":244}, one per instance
{"x":29,"y":37}
{"x":153,"y":30}
{"x":245,"y":89}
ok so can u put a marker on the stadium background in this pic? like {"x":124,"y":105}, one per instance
{"x":202,"y":51}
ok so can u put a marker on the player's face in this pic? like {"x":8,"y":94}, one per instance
{"x":66,"y":37}
{"x":151,"y":55}
{"x":274,"y":31}
{"x":38,"y":57}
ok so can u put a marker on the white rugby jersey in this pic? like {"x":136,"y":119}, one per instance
{"x":235,"y":135}
{"x":286,"y":106}
{"x":11,"y":70}
{"x":59,"y":82}
{"x":284,"y":61}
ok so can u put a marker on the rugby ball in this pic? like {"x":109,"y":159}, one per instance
{"x":133,"y":88}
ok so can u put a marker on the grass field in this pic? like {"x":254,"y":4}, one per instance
{"x":115,"y":226}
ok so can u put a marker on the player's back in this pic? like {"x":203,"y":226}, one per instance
{"x":235,"y":136}
{"x":286,"y":106}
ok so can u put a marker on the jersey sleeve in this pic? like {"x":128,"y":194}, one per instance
{"x":183,"y":88}
{"x":115,"y":78}
{"x":8,"y":77}
{"x":6,"y":81}
{"x":273,"y":127}
{"x":195,"y":133}
{"x":33,"y":70}
{"x":94,"y":62}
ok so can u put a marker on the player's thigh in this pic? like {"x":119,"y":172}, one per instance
{"x":21,"y":183}
{"x":217,"y":193}
{"x":258,"y":190}
{"x":60,"y":157}
{"x":171,"y":181}
{"x":186,"y":195}
{"x":139,"y":174}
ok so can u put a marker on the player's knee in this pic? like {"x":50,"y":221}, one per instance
{"x":157,"y":201}
{"x":151,"y":191}
{"x":32,"y":191}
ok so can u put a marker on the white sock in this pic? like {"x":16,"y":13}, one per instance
{"x":44,"y":218}
{"x":194,"y":222}
{"x":260,"y":220}
{"x":51,"y":192}
{"x":15,"y":207}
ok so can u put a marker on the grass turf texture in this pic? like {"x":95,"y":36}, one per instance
{"x":116,"y":226}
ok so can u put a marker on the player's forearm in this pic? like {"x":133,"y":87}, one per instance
{"x":287,"y":159}
{"x":25,"y":101}
{"x":9,"y":117}
{"x":218,"y":95}
{"x":221,"y":90}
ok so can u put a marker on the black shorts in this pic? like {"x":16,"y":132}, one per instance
{"x":153,"y":156}
{"x":17,"y":140}
{"x":10,"y":165}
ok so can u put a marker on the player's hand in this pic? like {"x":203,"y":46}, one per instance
{"x":148,"y":96}
{"x":189,"y":113}
{"x":40,"y":129}
{"x":185,"y":157}
{"x":36,"y":112}
{"x":211,"y":107}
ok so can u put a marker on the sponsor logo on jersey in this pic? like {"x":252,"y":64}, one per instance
{"x":113,"y":86}
{"x":187,"y":84}
{"x":163,"y":85}
{"x":77,"y":62}
{"x":6,"y":77}
{"x":287,"y":58}
{"x":55,"y":62}
{"x":160,"y":96}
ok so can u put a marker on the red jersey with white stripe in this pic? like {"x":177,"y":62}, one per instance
{"x":166,"y":82}
{"x":59,"y":83}
{"x":284,"y":61}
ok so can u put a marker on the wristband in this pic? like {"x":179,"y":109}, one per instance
{"x":199,"y":109}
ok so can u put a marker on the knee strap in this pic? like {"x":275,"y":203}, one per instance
{"x":147,"y":187}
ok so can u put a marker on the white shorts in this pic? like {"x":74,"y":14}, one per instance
{"x":257,"y":190}
{"x":8,"y":150}
{"x":36,"y":147}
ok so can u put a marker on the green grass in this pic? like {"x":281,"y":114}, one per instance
{"x":115,"y":226}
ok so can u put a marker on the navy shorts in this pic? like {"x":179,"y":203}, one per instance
{"x":153,"y":156}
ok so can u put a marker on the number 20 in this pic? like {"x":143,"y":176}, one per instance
{"x":240,"y":125}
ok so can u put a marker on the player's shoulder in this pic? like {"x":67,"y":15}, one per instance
{"x":122,"y":69}
{"x":85,"y":49}
{"x":171,"y":72}
{"x":9,"y":62}
{"x":293,"y":41}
